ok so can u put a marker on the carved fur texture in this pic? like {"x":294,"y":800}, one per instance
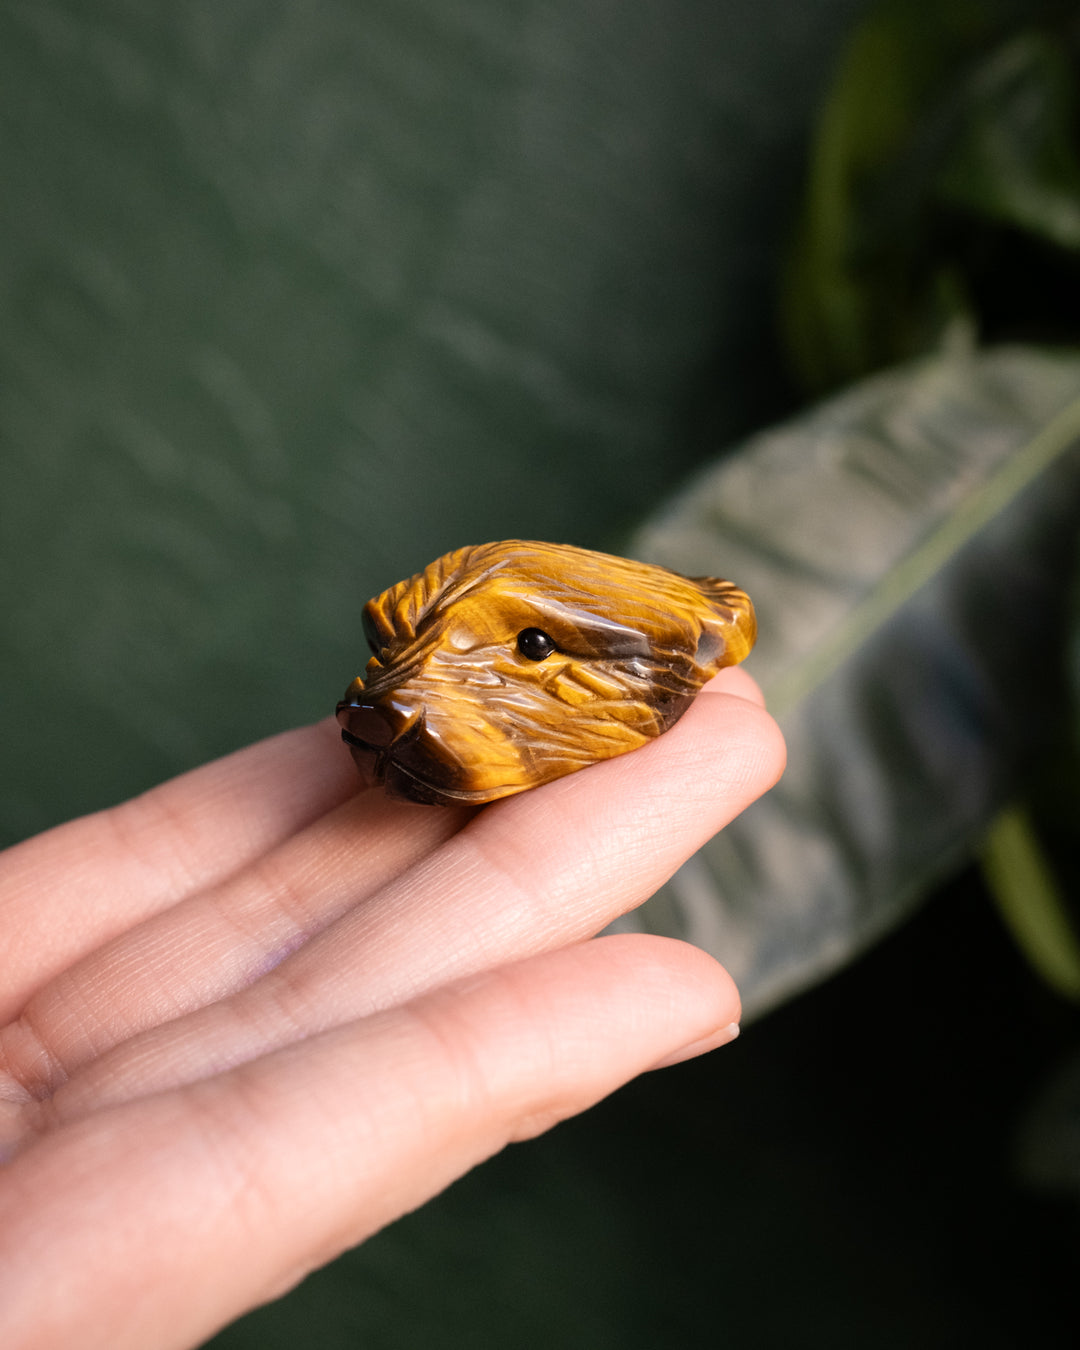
{"x":462,"y":702}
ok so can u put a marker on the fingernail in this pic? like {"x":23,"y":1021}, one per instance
{"x":700,"y":1047}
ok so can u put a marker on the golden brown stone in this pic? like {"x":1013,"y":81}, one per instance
{"x":502,"y":666}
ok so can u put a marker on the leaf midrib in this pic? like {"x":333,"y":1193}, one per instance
{"x":879,"y":605}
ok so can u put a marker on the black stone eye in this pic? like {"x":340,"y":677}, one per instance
{"x":534,"y":644}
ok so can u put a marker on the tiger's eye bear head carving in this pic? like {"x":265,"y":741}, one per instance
{"x":502,"y":666}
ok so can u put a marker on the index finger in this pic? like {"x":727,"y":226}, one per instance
{"x":67,"y":891}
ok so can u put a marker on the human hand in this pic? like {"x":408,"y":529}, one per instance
{"x":252,"y":1016}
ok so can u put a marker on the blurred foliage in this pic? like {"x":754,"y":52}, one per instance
{"x":908,"y":544}
{"x":943,"y":200}
{"x":944,"y":188}
{"x":1031,"y":900}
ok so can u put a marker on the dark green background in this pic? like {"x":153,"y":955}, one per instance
{"x":296,"y":296}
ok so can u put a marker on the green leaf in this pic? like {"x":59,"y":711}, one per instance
{"x":908,"y":548}
{"x":1031,"y":856}
{"x":1015,"y":159}
{"x":944,"y":182}
{"x":845,"y":295}
{"x":1030,"y":900}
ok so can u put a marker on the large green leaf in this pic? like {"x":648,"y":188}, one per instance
{"x":907,"y":546}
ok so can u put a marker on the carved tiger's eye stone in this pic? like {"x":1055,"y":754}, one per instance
{"x":502,"y":666}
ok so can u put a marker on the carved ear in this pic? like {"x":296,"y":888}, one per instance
{"x":729,"y":625}
{"x":398,"y":612}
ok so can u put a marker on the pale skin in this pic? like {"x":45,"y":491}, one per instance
{"x":255,"y":1015}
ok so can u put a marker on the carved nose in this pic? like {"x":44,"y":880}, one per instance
{"x":374,"y":725}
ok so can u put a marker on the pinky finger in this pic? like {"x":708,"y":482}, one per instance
{"x":156,"y":1222}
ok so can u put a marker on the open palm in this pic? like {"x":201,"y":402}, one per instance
{"x":253,"y":1016}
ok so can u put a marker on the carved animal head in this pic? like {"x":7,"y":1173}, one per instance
{"x":502,"y":666}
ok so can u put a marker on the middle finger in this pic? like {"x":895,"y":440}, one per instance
{"x":219,"y":940}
